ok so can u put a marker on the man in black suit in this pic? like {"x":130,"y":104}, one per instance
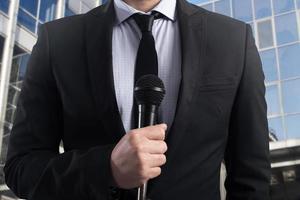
{"x":68,"y":95}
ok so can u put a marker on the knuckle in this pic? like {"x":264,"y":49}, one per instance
{"x":132,"y":132}
{"x":135,"y":134}
{"x":139,"y":147}
{"x":134,"y":138}
{"x":142,"y":146}
{"x":141,"y":158}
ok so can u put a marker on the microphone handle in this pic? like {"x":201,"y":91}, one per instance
{"x":147,"y":117}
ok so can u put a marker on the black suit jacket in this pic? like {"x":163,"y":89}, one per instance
{"x":68,"y":95}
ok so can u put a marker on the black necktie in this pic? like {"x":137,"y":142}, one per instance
{"x":146,"y":59}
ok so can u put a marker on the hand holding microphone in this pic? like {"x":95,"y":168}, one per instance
{"x":140,"y":153}
{"x":138,"y":156}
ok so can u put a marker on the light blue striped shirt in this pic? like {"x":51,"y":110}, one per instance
{"x":125,"y":42}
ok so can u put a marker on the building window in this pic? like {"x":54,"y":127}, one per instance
{"x":199,"y":1}
{"x":47,"y":10}
{"x":289,"y":60}
{"x":262,"y":8}
{"x":276,"y":127}
{"x":18,"y":69}
{"x":286,"y":28}
{"x":23,"y":61}
{"x":26,"y":20}
{"x":32,"y":13}
{"x":291,"y":96}
{"x":265,"y":36}
{"x":72,"y":7}
{"x":292,"y":126}
{"x":29,"y":5}
{"x":223,"y":7}
{"x":69,"y":12}
{"x":4,"y":5}
{"x":84,"y":8}
{"x":269,"y":63}
{"x":298,"y":3}
{"x":281,"y":6}
{"x":242,"y":10}
{"x":272,"y":98}
{"x":208,"y":7}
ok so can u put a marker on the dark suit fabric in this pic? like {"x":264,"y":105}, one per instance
{"x":68,"y":95}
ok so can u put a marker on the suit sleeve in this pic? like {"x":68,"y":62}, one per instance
{"x":247,"y":151}
{"x":34,"y":168}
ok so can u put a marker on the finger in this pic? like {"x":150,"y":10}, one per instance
{"x":156,"y":147}
{"x":157,"y":160}
{"x":154,"y":172}
{"x":156,"y":132}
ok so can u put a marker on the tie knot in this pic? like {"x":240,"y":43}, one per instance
{"x":145,"y":22}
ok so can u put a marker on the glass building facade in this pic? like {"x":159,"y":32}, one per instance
{"x":31,"y":14}
{"x":276,"y":28}
{"x":275,"y":25}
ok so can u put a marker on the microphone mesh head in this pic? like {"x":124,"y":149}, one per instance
{"x":149,"y":89}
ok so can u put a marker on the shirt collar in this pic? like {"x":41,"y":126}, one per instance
{"x":124,"y":11}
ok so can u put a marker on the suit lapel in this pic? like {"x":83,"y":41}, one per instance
{"x":192,"y":26}
{"x":99,"y":26}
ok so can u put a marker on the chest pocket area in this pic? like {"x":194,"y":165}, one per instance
{"x":217,"y":83}
{"x":214,"y":98}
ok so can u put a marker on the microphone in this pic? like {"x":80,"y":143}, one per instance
{"x":149,"y":92}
